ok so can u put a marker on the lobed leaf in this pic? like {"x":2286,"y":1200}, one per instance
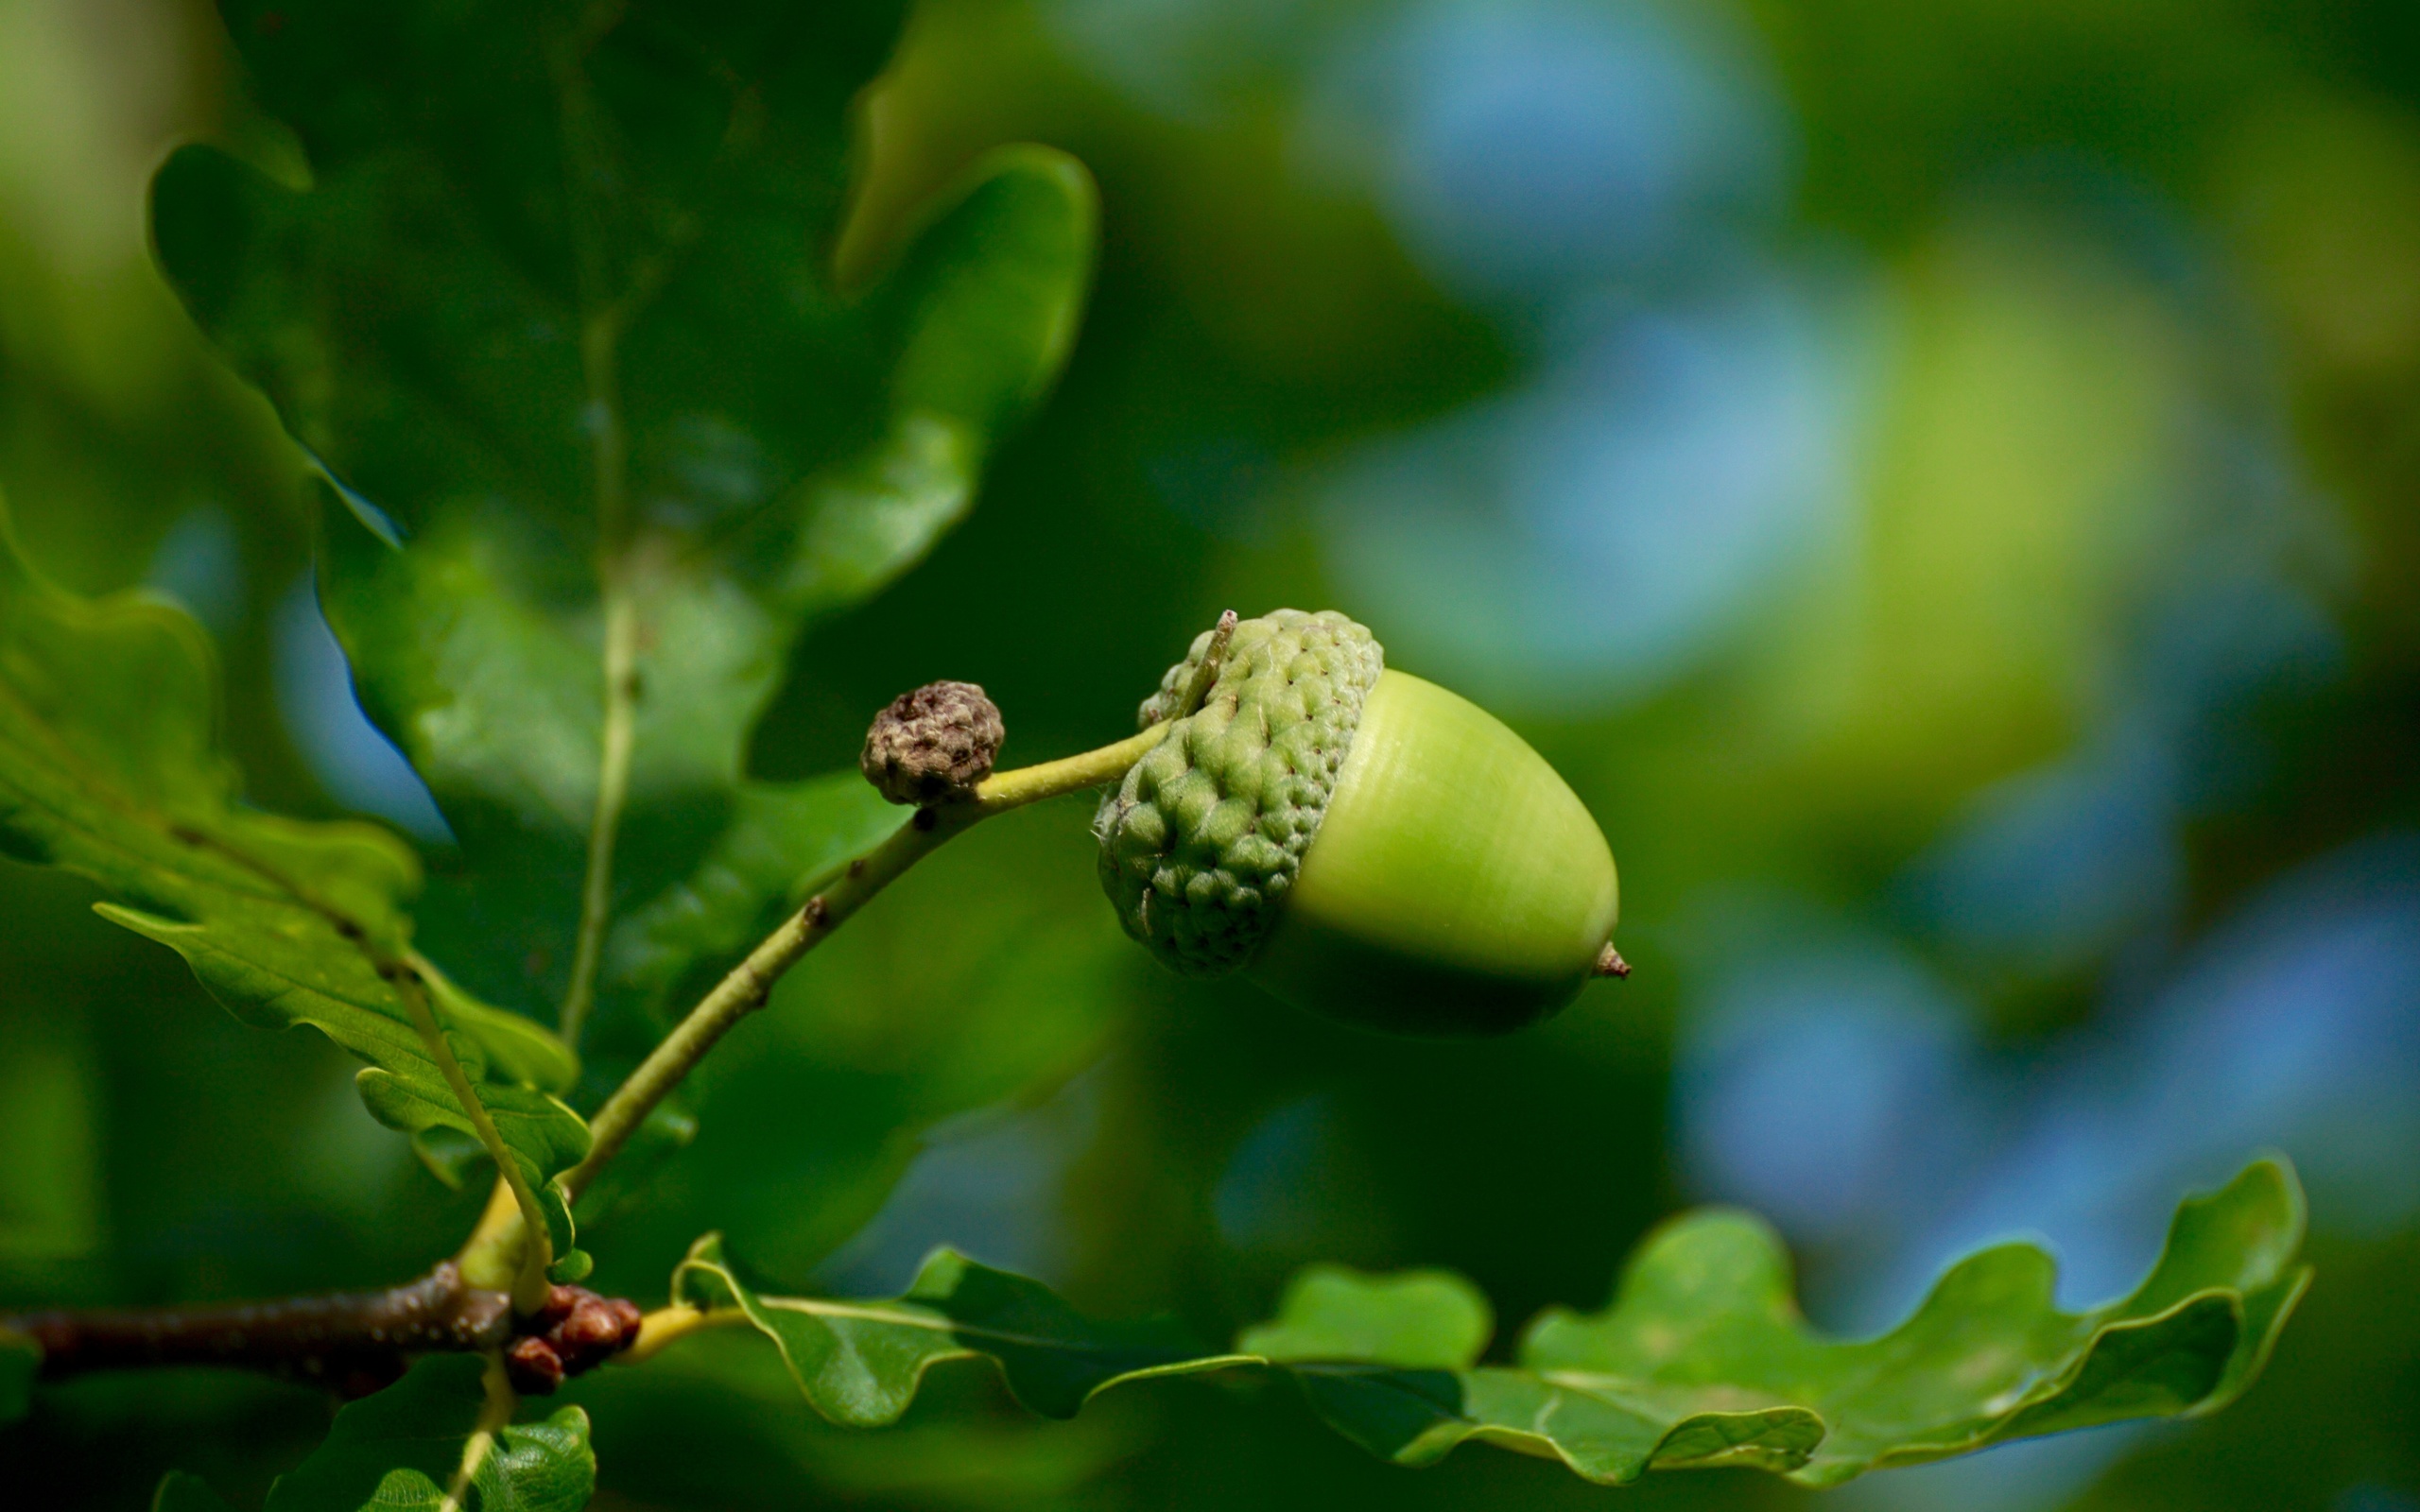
{"x":557,"y":309}
{"x":403,"y":1449}
{"x":1416,"y":1321}
{"x":110,"y":767}
{"x":1701,"y":1360}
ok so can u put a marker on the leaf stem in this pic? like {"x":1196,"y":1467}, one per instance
{"x":401,"y":973}
{"x":612,"y":792}
{"x":530,"y":1285}
{"x":492,"y":1256}
{"x":496,"y":1412}
{"x":667,"y":1326}
{"x":604,"y":316}
{"x":749,"y":983}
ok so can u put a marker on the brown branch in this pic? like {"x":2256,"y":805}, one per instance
{"x":353,"y":1343}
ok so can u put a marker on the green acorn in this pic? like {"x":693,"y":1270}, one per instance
{"x":1358,"y":842}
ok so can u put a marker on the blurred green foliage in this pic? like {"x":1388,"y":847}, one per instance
{"x":2067,"y":231}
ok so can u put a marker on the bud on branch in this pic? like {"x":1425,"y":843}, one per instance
{"x":932,"y":744}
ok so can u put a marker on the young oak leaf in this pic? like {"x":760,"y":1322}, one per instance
{"x":110,"y":767}
{"x":1703,"y":1360}
{"x":557,"y":313}
{"x":860,"y":1363}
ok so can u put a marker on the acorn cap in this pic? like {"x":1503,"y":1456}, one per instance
{"x":1204,"y":837}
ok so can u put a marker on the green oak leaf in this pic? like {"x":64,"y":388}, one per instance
{"x":1416,"y":1321}
{"x":860,"y":1363}
{"x":403,"y":1450}
{"x":1703,"y":1360}
{"x":110,"y":766}
{"x":557,"y":316}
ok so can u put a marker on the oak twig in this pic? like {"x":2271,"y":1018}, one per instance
{"x":351,"y":1342}
{"x":750,"y":985}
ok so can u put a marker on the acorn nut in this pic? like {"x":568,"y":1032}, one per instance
{"x":1358,"y":842}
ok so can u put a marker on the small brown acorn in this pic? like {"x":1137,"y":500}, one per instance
{"x":932,"y":744}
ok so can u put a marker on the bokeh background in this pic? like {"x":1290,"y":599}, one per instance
{"x":1938,"y":478}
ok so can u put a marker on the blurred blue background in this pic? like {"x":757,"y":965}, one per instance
{"x":1938,"y":479}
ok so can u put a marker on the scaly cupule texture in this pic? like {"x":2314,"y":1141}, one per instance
{"x":1203,"y":837}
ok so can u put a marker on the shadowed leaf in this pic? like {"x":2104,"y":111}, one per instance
{"x":402,"y":1451}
